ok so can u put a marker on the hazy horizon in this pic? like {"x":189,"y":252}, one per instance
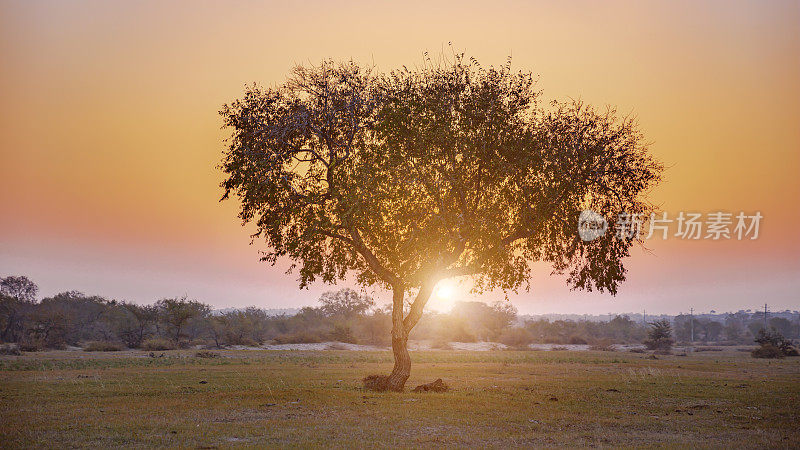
{"x":110,"y":135}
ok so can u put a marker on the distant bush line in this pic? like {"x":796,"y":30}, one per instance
{"x":99,"y":324}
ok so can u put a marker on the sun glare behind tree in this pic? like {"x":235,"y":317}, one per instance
{"x":448,"y":170}
{"x":444,"y":296}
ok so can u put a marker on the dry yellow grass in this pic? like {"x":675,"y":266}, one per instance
{"x":500,"y":399}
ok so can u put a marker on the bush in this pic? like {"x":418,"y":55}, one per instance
{"x":603,"y":345}
{"x":206,"y":354}
{"x":200,"y":343}
{"x":342,"y":333}
{"x":30,"y":345}
{"x":516,"y":337}
{"x":455,"y":330}
{"x":660,"y":336}
{"x":103,"y":346}
{"x":247,"y":342}
{"x":767,"y":350}
{"x":156,"y":344}
{"x":9,"y":349}
{"x":770,"y":339}
{"x":36,"y":343}
{"x":379,"y":383}
{"x":577,"y":340}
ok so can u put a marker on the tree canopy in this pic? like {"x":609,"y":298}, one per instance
{"x":450,"y":169}
{"x":19,"y":287}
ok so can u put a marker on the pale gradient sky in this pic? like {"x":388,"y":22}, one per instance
{"x":109,"y":133}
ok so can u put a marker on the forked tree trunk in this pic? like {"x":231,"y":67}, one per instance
{"x":402,"y":361}
{"x":402,"y":364}
{"x":400,"y":329}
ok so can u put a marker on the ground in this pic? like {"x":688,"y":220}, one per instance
{"x":315,"y":398}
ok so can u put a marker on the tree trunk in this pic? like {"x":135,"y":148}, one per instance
{"x":402,"y":361}
{"x":402,"y":364}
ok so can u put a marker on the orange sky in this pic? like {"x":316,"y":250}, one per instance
{"x":109,"y":133}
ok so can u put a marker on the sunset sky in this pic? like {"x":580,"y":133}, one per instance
{"x":109,"y":134}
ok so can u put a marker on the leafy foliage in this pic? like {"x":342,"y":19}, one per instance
{"x":19,"y":287}
{"x":345,"y":303}
{"x":448,"y":170}
{"x":72,"y":318}
{"x":178,"y":314}
{"x":773,"y":345}
{"x":660,"y":336}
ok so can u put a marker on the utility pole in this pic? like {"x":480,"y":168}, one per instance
{"x":691,"y":324}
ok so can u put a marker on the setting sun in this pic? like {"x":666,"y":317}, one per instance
{"x":445,"y":291}
{"x":444,"y":297}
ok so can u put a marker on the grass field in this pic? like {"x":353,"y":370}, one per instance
{"x":500,"y":399}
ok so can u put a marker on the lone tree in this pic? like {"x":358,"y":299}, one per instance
{"x":19,"y":287}
{"x":447,"y":170}
{"x":345,"y":303}
{"x":660,"y":336}
{"x":177,"y":313}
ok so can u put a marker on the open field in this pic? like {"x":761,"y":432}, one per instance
{"x":315,"y":398}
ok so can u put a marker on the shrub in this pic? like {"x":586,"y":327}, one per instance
{"x":769,"y":339}
{"x":247,"y":342}
{"x":455,"y":330}
{"x":200,"y":342}
{"x":767,"y":350}
{"x":206,"y":354}
{"x":156,"y":344}
{"x":660,"y":336}
{"x":31,"y":345}
{"x":379,"y":383}
{"x":791,"y":351}
{"x":9,"y":349}
{"x":342,"y":333}
{"x":603,"y":345}
{"x":103,"y":346}
{"x":35,"y":342}
{"x":577,"y":340}
{"x":375,"y":329}
{"x":516,"y":337}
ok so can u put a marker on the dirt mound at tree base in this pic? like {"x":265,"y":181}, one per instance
{"x":378,"y":383}
{"x":436,"y":386}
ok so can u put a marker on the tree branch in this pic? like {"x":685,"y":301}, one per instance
{"x":417,"y":307}
{"x":373,"y":262}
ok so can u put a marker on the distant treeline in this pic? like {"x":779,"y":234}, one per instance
{"x":93,"y":322}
